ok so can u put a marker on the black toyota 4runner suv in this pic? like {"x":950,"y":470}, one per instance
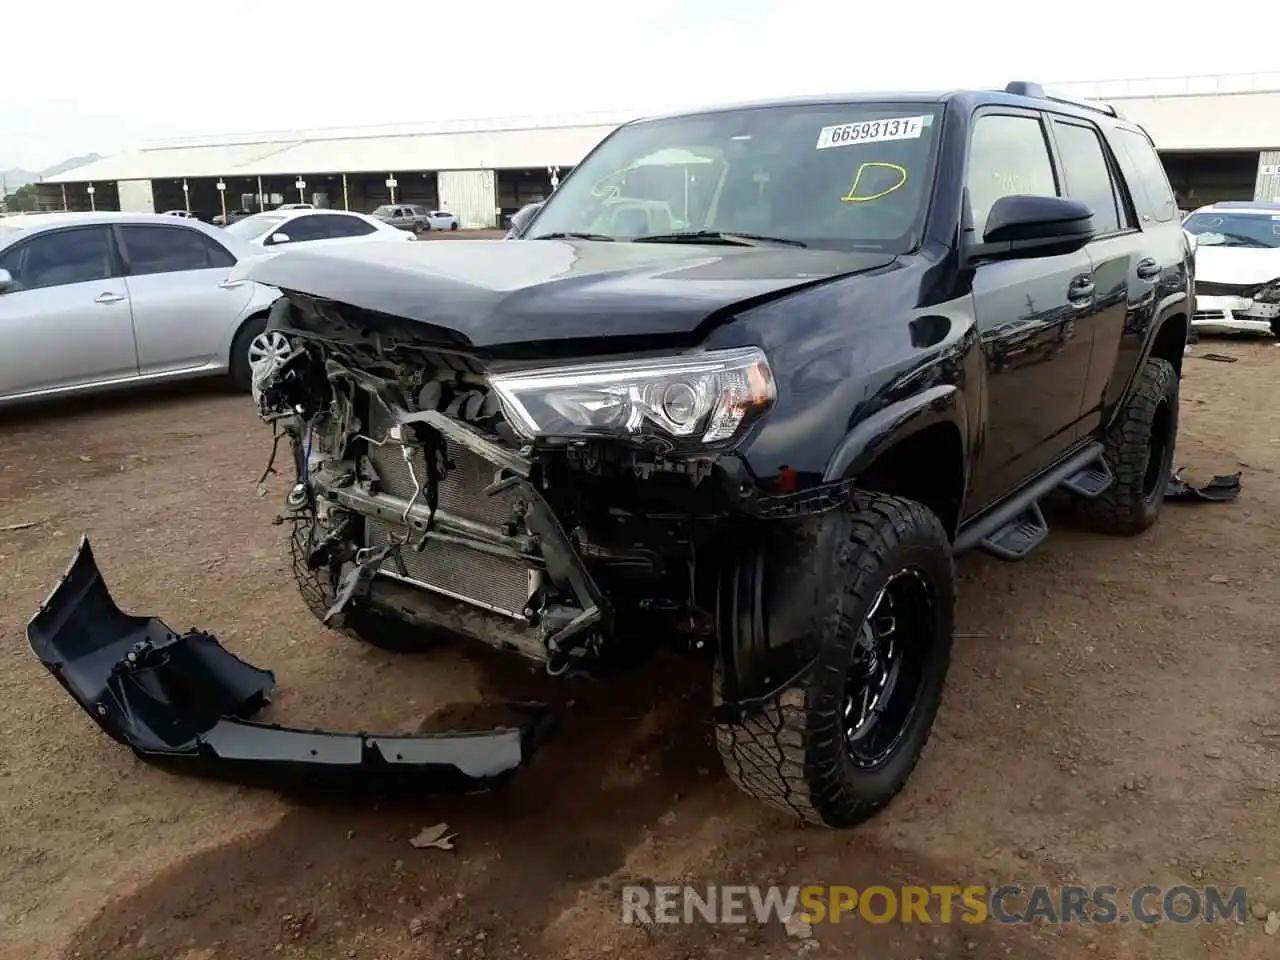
{"x":746,"y":384}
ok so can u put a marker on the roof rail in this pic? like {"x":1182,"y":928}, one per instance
{"x":1024,"y":88}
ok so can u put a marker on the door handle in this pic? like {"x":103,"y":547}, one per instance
{"x":1148,"y":269}
{"x":1080,"y":293}
{"x":231,"y":284}
{"x":108,"y":298}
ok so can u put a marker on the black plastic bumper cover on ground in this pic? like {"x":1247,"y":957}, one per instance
{"x":185,"y":700}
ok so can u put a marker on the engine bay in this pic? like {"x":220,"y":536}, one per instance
{"x":408,"y":473}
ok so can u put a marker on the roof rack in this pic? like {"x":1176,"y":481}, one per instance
{"x":1024,"y":88}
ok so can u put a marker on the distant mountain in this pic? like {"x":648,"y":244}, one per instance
{"x":15,"y":178}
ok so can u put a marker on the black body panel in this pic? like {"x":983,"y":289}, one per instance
{"x":489,"y":293}
{"x":184,"y":700}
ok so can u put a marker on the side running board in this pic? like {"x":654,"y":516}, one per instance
{"x":1016,"y":527}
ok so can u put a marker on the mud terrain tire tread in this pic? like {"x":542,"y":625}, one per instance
{"x":791,"y":754}
{"x":1124,"y":510}
{"x":318,"y":593}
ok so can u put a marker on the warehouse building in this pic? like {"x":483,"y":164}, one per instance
{"x":482,"y":171}
{"x":1219,"y":137}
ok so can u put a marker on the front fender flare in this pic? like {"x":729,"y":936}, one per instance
{"x":874,"y":434}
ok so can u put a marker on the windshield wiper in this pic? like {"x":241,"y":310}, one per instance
{"x":571,"y":235}
{"x":718,"y":236}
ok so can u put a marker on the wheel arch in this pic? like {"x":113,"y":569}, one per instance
{"x":1170,"y":341}
{"x":916,"y":449}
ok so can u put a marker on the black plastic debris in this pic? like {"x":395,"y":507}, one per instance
{"x":184,"y":700}
{"x":1220,"y":489}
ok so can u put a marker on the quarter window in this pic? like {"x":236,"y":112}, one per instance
{"x":1008,"y":156}
{"x":1087,"y":173}
{"x":1144,"y":166}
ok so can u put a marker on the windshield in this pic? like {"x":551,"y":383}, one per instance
{"x":1212,"y":229}
{"x":382,"y":211}
{"x":851,"y":175}
{"x":250,"y":228}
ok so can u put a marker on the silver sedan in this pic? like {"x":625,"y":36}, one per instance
{"x":98,"y":301}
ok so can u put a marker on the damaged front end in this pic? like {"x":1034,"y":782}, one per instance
{"x":565,"y":513}
{"x":185,"y":701}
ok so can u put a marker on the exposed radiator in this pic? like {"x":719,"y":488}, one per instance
{"x":496,"y":583}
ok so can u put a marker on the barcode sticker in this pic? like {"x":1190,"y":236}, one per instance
{"x":870,"y":131}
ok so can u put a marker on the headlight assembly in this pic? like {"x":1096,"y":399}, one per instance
{"x":699,"y":401}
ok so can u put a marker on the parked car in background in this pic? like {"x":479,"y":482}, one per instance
{"x":306,"y":228}
{"x":186,"y":214}
{"x":296,"y":206}
{"x":1237,"y":266}
{"x":442,"y":220}
{"x":92,"y":301}
{"x":404,"y":216}
{"x":231,"y":217}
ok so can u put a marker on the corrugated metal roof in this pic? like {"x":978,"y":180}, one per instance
{"x":494,"y":144}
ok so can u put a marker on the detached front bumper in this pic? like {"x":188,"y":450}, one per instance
{"x":1234,"y":313}
{"x":185,"y":700}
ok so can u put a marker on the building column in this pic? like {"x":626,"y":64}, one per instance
{"x":1267,"y":184}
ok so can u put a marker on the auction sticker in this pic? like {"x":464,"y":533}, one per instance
{"x":870,"y":131}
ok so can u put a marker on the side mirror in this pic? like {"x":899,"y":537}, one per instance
{"x":1033,"y":226}
{"x":6,"y":280}
{"x":278,"y":238}
{"x":521,"y":218}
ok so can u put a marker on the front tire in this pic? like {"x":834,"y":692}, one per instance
{"x":837,"y":744}
{"x":239,"y":367}
{"x":318,"y":589}
{"x":454,"y":225}
{"x":1139,"y":451}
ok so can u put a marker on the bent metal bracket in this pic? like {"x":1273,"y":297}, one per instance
{"x":182,"y":700}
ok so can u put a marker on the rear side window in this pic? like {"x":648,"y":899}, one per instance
{"x":340,"y":226}
{"x":171,"y":250}
{"x":1087,"y":173}
{"x":1141,"y":165}
{"x":1007,"y":157}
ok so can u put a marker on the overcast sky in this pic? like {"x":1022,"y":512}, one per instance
{"x":84,"y":76}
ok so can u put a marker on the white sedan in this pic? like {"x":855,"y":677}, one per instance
{"x":309,"y":228}
{"x":442,"y":220}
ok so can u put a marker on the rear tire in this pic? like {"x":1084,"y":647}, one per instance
{"x":454,"y":225}
{"x":801,"y":753}
{"x":1139,"y":451}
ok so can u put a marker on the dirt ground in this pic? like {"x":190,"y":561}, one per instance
{"x":1111,"y":718}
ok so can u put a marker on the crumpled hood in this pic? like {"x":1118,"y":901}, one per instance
{"x":1244,"y":265}
{"x":484,"y":293}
